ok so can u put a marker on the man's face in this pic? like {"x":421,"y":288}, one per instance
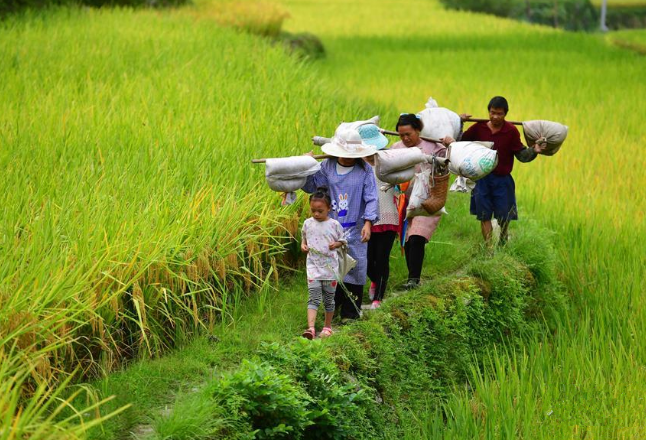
{"x":497,"y":116}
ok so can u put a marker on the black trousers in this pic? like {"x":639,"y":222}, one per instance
{"x":414,"y":250}
{"x":350,"y":301}
{"x":379,"y":247}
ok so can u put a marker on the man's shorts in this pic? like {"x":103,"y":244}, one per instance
{"x":494,"y":196}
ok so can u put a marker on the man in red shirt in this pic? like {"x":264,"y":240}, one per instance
{"x":495,"y":194}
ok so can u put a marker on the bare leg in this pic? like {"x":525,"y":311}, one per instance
{"x":328,"y":318}
{"x":311,"y":317}
{"x":487,"y":230}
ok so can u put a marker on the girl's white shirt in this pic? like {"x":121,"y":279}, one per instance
{"x":322,"y":263}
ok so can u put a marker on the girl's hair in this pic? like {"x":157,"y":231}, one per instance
{"x":411,"y":119}
{"x":322,"y":193}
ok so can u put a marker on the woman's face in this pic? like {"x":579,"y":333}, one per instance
{"x":346,"y":162}
{"x":408,"y":135}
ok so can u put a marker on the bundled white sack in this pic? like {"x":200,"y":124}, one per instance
{"x":473,"y":160}
{"x":397,"y":177}
{"x":343,"y":126}
{"x":439,"y":122}
{"x":419,"y":193}
{"x":551,"y":132}
{"x":388,"y":161}
{"x":397,"y":166}
{"x":288,"y":174}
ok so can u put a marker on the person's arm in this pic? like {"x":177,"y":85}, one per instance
{"x":340,"y":239}
{"x":315,"y":180}
{"x":371,"y":200}
{"x":526,"y":154}
{"x":304,"y":246}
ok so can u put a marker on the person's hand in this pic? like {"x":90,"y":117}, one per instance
{"x":304,"y":247}
{"x":464,"y":116}
{"x":447,"y":140}
{"x":540,"y":146}
{"x":309,"y":153}
{"x":365,"y":231}
{"x":335,"y":245}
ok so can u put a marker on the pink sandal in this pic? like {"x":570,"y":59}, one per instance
{"x":326,"y":332}
{"x":310,"y":333}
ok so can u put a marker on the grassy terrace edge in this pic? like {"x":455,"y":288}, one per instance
{"x":368,"y":381}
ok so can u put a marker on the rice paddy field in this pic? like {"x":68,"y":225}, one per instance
{"x":131,"y":217}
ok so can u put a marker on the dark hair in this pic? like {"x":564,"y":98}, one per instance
{"x":357,"y":161}
{"x":411,"y":119}
{"x":498,"y":102}
{"x":322,"y":193}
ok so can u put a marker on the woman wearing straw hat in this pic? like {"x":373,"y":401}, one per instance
{"x":420,"y":229}
{"x":354,"y":204}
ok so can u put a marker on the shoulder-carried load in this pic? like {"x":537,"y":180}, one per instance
{"x":288,"y":174}
{"x":398,"y":166}
{"x":439,"y":122}
{"x":552,"y":133}
{"x":473,"y":160}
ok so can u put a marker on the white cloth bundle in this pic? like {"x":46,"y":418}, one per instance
{"x":439,"y":122}
{"x":397,"y":166}
{"x":287,"y":174}
{"x":473,"y":160}
{"x":463,"y":185}
{"x":552,"y":132}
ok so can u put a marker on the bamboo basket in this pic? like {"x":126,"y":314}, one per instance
{"x":439,"y":188}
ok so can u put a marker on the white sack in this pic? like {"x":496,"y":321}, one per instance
{"x":473,"y":160}
{"x":356,"y":124}
{"x":388,"y":161}
{"x":463,"y":185}
{"x":553,"y":132}
{"x":280,"y":184}
{"x":420,"y":192}
{"x":439,"y":122}
{"x":287,"y":174}
{"x":397,"y":177}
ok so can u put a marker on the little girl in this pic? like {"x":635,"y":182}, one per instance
{"x":322,"y":236}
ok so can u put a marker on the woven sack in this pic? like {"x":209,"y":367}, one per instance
{"x":389,"y":161}
{"x":288,"y":174}
{"x":552,"y":132}
{"x":438,"y":190}
{"x":473,"y":160}
{"x":397,"y":177}
{"x":439,"y":121}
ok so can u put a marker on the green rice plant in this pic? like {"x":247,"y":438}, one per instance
{"x":38,"y":417}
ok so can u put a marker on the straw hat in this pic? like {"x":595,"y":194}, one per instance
{"x":347,"y":142}
{"x":372,"y":136}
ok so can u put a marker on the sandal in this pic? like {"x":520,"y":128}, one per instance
{"x":310,"y":333}
{"x":326,"y":332}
